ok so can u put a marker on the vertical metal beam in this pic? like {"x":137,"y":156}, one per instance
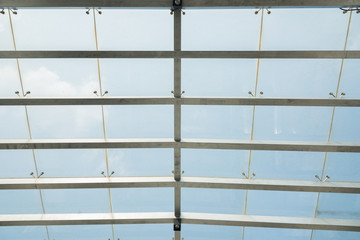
{"x":177,"y":116}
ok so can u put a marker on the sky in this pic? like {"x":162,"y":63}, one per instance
{"x":226,"y":29}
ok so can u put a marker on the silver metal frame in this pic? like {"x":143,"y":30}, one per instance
{"x":185,"y":182}
{"x":177,"y":143}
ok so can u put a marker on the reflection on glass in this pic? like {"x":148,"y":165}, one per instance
{"x":214,"y":163}
{"x":354,"y":33}
{"x":71,"y":162}
{"x":350,"y":84}
{"x":23,"y":232}
{"x":16,"y":163}
{"x":10,"y":82}
{"x":5,"y":32}
{"x":218,"y":77}
{"x":230,"y":29}
{"x":298,"y":78}
{"x":20,"y":202}
{"x":59,"y":77}
{"x":335,"y":235}
{"x":292,"y":123}
{"x":76,"y":200}
{"x":287,"y":165}
{"x":141,"y":162}
{"x":82,"y":232}
{"x":281,"y":203}
{"x":53,"y":29}
{"x":13,"y":123}
{"x":204,"y":232}
{"x":144,"y":231}
{"x":139,"y":121}
{"x":346,"y":125}
{"x":137,"y":77}
{"x":255,"y":233}
{"x":64,"y":122}
{"x":304,"y":29}
{"x":124,"y":29}
{"x":142,"y":199}
{"x":343,"y":166}
{"x":212,"y":200}
{"x":339,"y":205}
{"x":216,"y":122}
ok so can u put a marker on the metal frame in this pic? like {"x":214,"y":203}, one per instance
{"x":185,"y":182}
{"x":181,"y":54}
{"x":250,"y":101}
{"x":186,"y":218}
{"x":184,"y":143}
{"x":177,"y":143}
{"x":186,"y":4}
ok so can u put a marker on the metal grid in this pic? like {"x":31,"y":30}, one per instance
{"x":178,"y":182}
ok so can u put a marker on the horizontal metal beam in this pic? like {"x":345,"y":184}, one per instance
{"x":187,"y":182}
{"x":185,"y":143}
{"x":180,"y":54}
{"x":186,"y":218}
{"x":31,"y":101}
{"x":187,"y":3}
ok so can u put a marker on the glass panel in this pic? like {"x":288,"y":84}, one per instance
{"x":339,"y":205}
{"x":212,"y":200}
{"x":309,"y":78}
{"x":16,"y":163}
{"x":53,"y":29}
{"x":142,"y":199}
{"x":354,"y":34}
{"x":214,"y":163}
{"x":120,"y":29}
{"x":292,"y":123}
{"x":9,"y":77}
{"x":86,"y":232}
{"x":27,"y":232}
{"x":205,"y":232}
{"x":13,"y":123}
{"x":304,"y":29}
{"x":66,"y":122}
{"x":58,"y":77}
{"x":144,"y":231}
{"x":350,"y":84}
{"x":343,"y":166}
{"x":218,"y":77}
{"x":346,"y":125}
{"x":76,"y":200}
{"x":139,"y":121}
{"x":220,"y":29}
{"x":287,"y":165}
{"x":216,"y":122}
{"x":71,"y":162}
{"x":280,"y":203}
{"x":335,"y":235}
{"x":255,"y":233}
{"x":141,"y":162}
{"x":5,"y":32}
{"x":137,"y":77}
{"x":20,"y":202}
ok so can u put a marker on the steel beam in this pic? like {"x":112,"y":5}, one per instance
{"x":271,"y":222}
{"x":186,"y":4}
{"x":250,"y":101}
{"x":186,"y":218}
{"x":181,"y":54}
{"x":185,"y":143}
{"x":187,"y":182}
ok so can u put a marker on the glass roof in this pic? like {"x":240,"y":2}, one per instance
{"x":234,"y":29}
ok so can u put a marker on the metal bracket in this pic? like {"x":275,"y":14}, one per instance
{"x":177,"y":224}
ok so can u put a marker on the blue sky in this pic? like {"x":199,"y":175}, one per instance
{"x":230,"y":29}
